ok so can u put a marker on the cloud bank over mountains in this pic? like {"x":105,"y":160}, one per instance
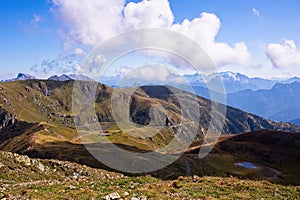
{"x":95,"y":21}
{"x":84,"y":25}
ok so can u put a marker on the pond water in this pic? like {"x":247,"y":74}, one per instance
{"x":248,"y":165}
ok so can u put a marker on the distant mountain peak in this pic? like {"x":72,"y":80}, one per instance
{"x":21,"y":77}
{"x":25,"y":76}
{"x":234,"y":76}
{"x":69,"y":77}
{"x":63,"y":77}
{"x":293,"y":79}
{"x":286,"y":85}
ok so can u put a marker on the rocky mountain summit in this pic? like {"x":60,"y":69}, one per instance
{"x":21,"y":77}
{"x":69,"y":77}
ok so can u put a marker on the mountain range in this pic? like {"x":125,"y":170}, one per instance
{"x":36,"y":119}
{"x":63,"y":77}
{"x":280,"y":103}
{"x":233,"y":82}
{"x":48,"y":100}
{"x":69,"y":77}
{"x":20,"y":77}
{"x":272,"y":99}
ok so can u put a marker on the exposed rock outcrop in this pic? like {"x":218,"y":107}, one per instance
{"x":6,"y":119}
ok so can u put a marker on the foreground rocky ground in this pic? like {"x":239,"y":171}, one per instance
{"x":24,"y":178}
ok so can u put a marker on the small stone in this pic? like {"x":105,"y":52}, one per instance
{"x":1,"y":165}
{"x":41,"y":167}
{"x":134,"y":198}
{"x":108,"y":176}
{"x":126,"y":194}
{"x":71,"y":187}
{"x":112,"y":196}
{"x":196,"y":178}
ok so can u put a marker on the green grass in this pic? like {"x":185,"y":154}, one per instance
{"x":21,"y":177}
{"x":203,"y":188}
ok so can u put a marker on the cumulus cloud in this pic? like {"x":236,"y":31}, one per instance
{"x":94,"y":21}
{"x":284,"y":55}
{"x":90,"y":21}
{"x":255,"y":12}
{"x":204,"y":30}
{"x":148,"y":14}
{"x":148,"y":74}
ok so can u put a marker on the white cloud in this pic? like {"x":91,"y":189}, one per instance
{"x":94,"y":21}
{"x":204,"y":30}
{"x":285,"y":55}
{"x":255,"y":12}
{"x":148,"y":14}
{"x":148,"y":74}
{"x":90,"y":21}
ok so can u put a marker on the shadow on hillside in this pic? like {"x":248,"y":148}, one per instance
{"x":275,"y":153}
{"x":78,"y":153}
{"x":16,"y":129}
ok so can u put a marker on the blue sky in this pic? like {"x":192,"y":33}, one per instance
{"x":31,"y":32}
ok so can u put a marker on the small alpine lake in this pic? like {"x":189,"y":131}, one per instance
{"x":247,"y":165}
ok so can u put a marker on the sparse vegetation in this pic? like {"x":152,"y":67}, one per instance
{"x":22,"y":178}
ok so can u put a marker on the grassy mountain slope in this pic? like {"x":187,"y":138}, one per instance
{"x":51,"y":101}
